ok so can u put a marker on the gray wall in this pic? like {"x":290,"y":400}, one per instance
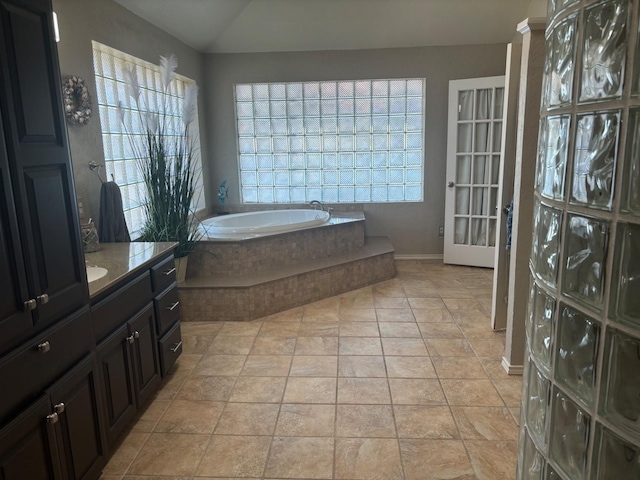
{"x":105,"y":21}
{"x":412,"y":227}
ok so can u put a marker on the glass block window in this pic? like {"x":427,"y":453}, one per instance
{"x":120,"y":162}
{"x":340,"y":141}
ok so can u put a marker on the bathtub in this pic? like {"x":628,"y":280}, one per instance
{"x":262,"y":223}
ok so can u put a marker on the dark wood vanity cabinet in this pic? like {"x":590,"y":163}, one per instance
{"x":60,"y":435}
{"x":50,"y":403}
{"x":42,"y":274}
{"x":138,"y":337}
{"x":71,"y":374}
{"x":130,"y":370}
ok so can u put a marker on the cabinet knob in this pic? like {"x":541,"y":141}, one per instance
{"x":136,"y":334}
{"x":59,"y":408}
{"x":173,"y":307}
{"x":169,"y":272}
{"x":30,"y":304}
{"x":130,"y":339}
{"x":44,"y":347}
{"x":42,"y":299}
{"x":53,"y":418}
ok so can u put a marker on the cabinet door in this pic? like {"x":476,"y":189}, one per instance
{"x":37,"y":146}
{"x":145,"y":353}
{"x":28,"y":448}
{"x":116,"y":376}
{"x":79,"y":430}
{"x":15,"y":318}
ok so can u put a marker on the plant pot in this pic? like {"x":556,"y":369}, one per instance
{"x":181,"y":268}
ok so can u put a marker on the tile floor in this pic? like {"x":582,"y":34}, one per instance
{"x":401,"y":380}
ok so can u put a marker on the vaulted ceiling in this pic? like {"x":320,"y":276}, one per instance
{"x":226,"y":26}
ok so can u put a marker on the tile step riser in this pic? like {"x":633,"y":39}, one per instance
{"x":256,"y":301}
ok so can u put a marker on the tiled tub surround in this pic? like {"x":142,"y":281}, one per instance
{"x":247,"y":279}
{"x":397,"y":381}
{"x":342,"y":234}
{"x":581,"y":397}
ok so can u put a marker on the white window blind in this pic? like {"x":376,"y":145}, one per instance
{"x":120,"y":161}
{"x":339,"y":141}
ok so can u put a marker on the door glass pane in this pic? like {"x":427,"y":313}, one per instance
{"x":495,"y":169}
{"x":465,"y":105}
{"x":481,"y":169}
{"x":483,"y":103}
{"x":462,"y":201}
{"x":465,"y":134}
{"x":482,"y":137}
{"x":479,"y":232}
{"x":480,"y":201}
{"x":463,"y":169}
{"x":461,"y":231}
{"x":499,"y":104}
{"x":497,"y":136}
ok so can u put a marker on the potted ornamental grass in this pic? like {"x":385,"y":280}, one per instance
{"x":166,"y":153}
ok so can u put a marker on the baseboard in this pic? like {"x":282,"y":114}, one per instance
{"x":512,"y":369}
{"x":419,"y":256}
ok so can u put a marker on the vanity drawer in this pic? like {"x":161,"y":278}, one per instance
{"x":170,"y":349}
{"x":108,"y":314}
{"x":27,"y":372}
{"x":167,"y":308}
{"x":163,"y":274}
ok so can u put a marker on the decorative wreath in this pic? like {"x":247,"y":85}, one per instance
{"x":77,"y":101}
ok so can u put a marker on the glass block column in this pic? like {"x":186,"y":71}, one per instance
{"x":581,"y":389}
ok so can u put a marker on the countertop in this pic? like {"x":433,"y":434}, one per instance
{"x":123,"y":259}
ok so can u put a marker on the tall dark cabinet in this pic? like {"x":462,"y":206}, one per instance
{"x":50,"y":405}
{"x":40,"y":247}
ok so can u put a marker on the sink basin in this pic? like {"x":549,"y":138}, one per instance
{"x":95,"y":273}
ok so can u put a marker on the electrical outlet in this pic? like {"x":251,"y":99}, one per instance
{"x":441,"y":231}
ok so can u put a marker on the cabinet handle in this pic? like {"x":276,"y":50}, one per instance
{"x":172,"y":307}
{"x":44,"y":298}
{"x":169,"y":272}
{"x":53,"y":418}
{"x":59,"y":408}
{"x":130,"y":339}
{"x":30,"y":305}
{"x":44,"y":347}
{"x":176,"y":346}
{"x":136,"y":334}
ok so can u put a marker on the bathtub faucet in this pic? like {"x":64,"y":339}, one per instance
{"x":317,"y":203}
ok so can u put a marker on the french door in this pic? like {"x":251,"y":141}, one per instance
{"x":474,"y":148}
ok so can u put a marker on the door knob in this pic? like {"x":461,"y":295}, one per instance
{"x":451,"y":184}
{"x":505,"y":209}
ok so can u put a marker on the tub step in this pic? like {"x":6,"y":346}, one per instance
{"x":247,"y":297}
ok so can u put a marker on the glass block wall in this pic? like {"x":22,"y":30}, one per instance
{"x":581,"y":389}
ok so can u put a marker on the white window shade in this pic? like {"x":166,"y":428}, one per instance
{"x":342,"y":141}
